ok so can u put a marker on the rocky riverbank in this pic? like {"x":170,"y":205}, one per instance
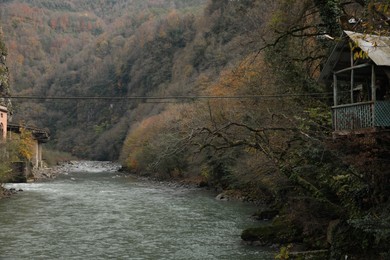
{"x":6,"y":193}
{"x":49,"y":173}
{"x":197,"y":182}
{"x":67,"y":167}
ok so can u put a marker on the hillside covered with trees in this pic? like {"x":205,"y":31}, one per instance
{"x":221,"y":92}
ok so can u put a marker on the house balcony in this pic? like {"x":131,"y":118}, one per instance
{"x":357,"y":117}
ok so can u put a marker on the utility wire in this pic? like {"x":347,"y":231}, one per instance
{"x":324,"y":94}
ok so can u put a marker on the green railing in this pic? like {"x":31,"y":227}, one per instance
{"x":361,"y":115}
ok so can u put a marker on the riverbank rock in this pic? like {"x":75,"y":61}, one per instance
{"x":280,"y":231}
{"x":268,"y":214}
{"x":236,"y":195}
{"x":222,"y":196}
{"x":6,"y":193}
{"x":90,"y":166}
{"x":45,"y":173}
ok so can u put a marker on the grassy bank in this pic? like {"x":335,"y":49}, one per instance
{"x":54,"y":157}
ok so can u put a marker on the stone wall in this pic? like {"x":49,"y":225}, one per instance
{"x":21,"y":171}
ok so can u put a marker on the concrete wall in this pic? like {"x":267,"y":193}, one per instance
{"x":20,"y":172}
{"x":37,"y":154}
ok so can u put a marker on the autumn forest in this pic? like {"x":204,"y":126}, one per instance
{"x":223,"y":93}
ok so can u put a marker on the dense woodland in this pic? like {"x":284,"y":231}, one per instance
{"x":224,"y":93}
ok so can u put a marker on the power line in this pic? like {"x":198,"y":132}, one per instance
{"x":323,"y":94}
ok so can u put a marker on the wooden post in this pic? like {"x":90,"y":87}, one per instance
{"x":373,"y":79}
{"x":334,"y":89}
{"x":352,"y":77}
{"x":373,"y":93}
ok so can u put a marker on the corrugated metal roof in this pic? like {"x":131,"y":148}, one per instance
{"x":377,"y":47}
{"x":327,"y":70}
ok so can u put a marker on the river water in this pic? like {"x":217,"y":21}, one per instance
{"x":93,"y":213}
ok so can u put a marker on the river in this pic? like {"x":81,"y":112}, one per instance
{"x":97,"y":213}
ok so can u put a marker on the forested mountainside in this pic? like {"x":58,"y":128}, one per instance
{"x":4,"y":76}
{"x":245,"y":110}
{"x":136,"y":48}
{"x":92,"y":48}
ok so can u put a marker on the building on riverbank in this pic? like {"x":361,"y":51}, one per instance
{"x":358,"y":70}
{"x":37,"y":137}
{"x":3,"y":122}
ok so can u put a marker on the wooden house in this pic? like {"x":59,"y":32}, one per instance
{"x":358,"y":70}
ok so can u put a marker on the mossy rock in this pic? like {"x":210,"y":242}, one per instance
{"x":266,"y":214}
{"x":279,"y":232}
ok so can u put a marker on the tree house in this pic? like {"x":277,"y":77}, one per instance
{"x":358,"y":70}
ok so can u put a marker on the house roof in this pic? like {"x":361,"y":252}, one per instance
{"x":377,"y":48}
{"x":3,"y":109}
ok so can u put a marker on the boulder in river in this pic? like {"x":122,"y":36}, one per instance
{"x":222,"y":196}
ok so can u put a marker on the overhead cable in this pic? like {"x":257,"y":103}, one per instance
{"x":324,"y":94}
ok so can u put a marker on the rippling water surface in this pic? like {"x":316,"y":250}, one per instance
{"x":102,"y":215}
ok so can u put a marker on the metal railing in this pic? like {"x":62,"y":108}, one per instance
{"x":361,"y":115}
